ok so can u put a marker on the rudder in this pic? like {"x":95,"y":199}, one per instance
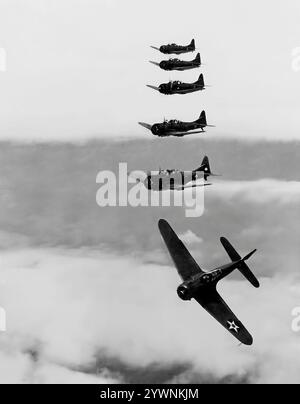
{"x":205,"y":168}
{"x":201,"y":80}
{"x":198,"y":59}
{"x":202,"y":119}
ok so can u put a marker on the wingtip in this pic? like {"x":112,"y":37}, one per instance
{"x":249,"y":341}
{"x":154,"y":63}
{"x":163,"y":224}
{"x":152,"y":87}
{"x":145,"y":125}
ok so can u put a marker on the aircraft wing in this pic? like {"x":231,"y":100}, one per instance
{"x":154,"y":63}
{"x":153,"y":87}
{"x":185,"y":133}
{"x":184,"y":262}
{"x":145,"y":125}
{"x":213,"y":303}
{"x":184,"y":187}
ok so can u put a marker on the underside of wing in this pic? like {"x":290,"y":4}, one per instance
{"x":186,"y":133}
{"x":213,"y":303}
{"x":190,"y":186}
{"x":184,"y":262}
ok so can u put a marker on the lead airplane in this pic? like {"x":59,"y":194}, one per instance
{"x":178,"y":87}
{"x":181,"y":65}
{"x":178,"y":128}
{"x":176,"y":49}
{"x":202,"y":286}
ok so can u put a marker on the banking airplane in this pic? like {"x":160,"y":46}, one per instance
{"x":202,"y":286}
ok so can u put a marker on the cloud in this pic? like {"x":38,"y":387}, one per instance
{"x":65,"y":308}
{"x":90,"y":293}
{"x":262,"y":191}
{"x":190,"y":238}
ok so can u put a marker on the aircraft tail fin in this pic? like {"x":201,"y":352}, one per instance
{"x":201,"y":80}
{"x":198,"y":59}
{"x":192,"y":44}
{"x":205,"y":168}
{"x":241,"y":262}
{"x":202,"y":119}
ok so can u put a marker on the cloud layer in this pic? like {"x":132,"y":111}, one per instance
{"x":67,"y":310}
{"x":90,"y":293}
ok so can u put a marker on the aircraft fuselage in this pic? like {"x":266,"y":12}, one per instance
{"x":175,"y":128}
{"x":171,"y":179}
{"x":175,"y":49}
{"x":181,"y":88}
{"x":179,"y":65}
{"x":204,"y":281}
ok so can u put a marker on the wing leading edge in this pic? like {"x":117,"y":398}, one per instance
{"x":184,"y":262}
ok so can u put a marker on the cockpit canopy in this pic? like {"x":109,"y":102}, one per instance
{"x":174,"y":122}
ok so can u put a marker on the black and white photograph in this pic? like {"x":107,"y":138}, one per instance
{"x":149,"y":195}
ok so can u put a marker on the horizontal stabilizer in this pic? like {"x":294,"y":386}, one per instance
{"x":249,"y":255}
{"x":241,"y":264}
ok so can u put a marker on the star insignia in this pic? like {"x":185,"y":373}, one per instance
{"x":233,"y":326}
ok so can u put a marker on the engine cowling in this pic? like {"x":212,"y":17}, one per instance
{"x":164,"y":65}
{"x":156,"y":129}
{"x":184,"y":292}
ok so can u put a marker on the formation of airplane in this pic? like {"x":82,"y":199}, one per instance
{"x":196,"y":283}
{"x":178,"y":87}
{"x":177,"y":180}
{"x":176,"y":49}
{"x":202,"y":286}
{"x":180,"y":65}
{"x":178,"y":128}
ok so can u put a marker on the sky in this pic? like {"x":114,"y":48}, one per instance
{"x":77,"y":69}
{"x":90,"y":292}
